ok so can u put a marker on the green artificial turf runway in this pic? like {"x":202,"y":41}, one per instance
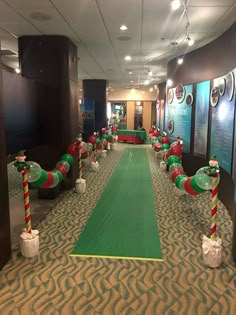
{"x":123,"y":223}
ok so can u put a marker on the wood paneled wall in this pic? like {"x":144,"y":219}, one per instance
{"x":130,"y":114}
{"x":147,"y":115}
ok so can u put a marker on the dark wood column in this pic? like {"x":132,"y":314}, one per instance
{"x":96,"y":90}
{"x":52,"y":62}
{"x":5,"y":233}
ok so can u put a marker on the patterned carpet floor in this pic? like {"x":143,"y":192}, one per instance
{"x":55,"y":283}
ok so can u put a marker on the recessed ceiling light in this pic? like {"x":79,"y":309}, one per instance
{"x":190,"y":41}
{"x":132,"y":81}
{"x":128,"y":58}
{"x":175,"y":4}
{"x":123,"y":27}
{"x":130,"y":72}
{"x":180,"y":60}
{"x":151,"y":89}
{"x":169,"y":82}
{"x":150,"y":73}
{"x":17,"y":70}
{"x":146,"y":82}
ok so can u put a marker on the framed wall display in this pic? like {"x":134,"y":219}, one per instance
{"x":170,"y":96}
{"x":214,"y":96}
{"x":229,"y":81}
{"x":222,"y":86}
{"x":170,"y":126}
{"x":180,"y":93}
{"x":189,"y":99}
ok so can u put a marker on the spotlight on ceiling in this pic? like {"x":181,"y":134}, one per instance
{"x":123,"y":28}
{"x":128,"y":58}
{"x":180,"y":60}
{"x":190,"y":41}
{"x":17,"y":70}
{"x":175,"y":4}
{"x":169,"y":82}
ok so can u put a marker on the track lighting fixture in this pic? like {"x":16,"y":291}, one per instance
{"x":175,"y":4}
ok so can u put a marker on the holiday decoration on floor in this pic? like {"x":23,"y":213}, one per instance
{"x":206,"y":178}
{"x":29,"y":239}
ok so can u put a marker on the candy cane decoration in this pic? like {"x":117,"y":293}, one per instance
{"x":214,"y":198}
{"x":95,"y":153}
{"x":80,"y":164}
{"x":26,"y":200}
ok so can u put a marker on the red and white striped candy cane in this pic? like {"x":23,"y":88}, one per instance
{"x":214,"y":199}
{"x":26,"y":200}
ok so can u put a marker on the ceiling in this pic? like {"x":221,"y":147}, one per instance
{"x":154,"y":36}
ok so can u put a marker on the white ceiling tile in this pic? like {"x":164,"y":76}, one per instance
{"x":208,"y":3}
{"x":209,"y":17}
{"x":32,"y":4}
{"x":117,"y":13}
{"x":20,"y":29}
{"x":7,"y":14}
{"x":93,"y":25}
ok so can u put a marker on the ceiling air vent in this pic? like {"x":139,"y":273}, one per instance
{"x":7,"y":52}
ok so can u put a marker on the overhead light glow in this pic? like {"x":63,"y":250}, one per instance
{"x":151,"y":89}
{"x":150,"y":73}
{"x":146,"y":82}
{"x":190,"y":41}
{"x":169,"y":82}
{"x":175,"y":4}
{"x":17,"y":70}
{"x":128,"y":58}
{"x":123,"y":27}
{"x":130,"y":72}
{"x":180,"y":60}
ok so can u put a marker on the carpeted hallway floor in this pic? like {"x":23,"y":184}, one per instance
{"x":56,"y":283}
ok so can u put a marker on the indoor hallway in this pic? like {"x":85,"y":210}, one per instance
{"x":56,"y":283}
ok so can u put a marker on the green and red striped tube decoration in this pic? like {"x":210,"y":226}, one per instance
{"x":26,"y":200}
{"x":214,"y":199}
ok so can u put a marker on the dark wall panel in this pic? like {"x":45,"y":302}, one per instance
{"x":21,"y":112}
{"x":5,"y":234}
{"x":96,"y":90}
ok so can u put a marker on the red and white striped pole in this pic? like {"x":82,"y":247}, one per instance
{"x":80,"y":164}
{"x":214,"y":199}
{"x":26,"y":200}
{"x":95,"y":154}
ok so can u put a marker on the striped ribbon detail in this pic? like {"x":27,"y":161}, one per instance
{"x":95,"y":154}
{"x":80,"y":164}
{"x":26,"y":200}
{"x":214,"y":199}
